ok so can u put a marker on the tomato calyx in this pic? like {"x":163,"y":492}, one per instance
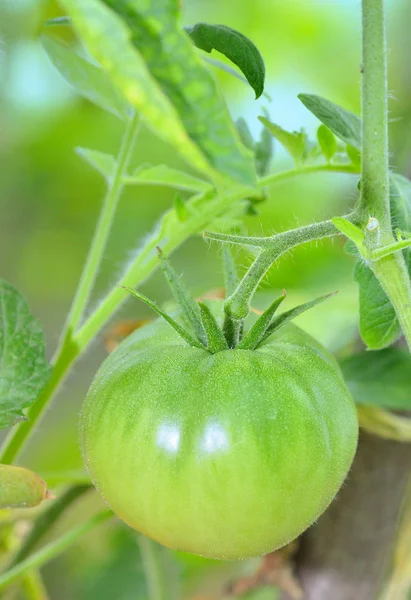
{"x":200,"y":327}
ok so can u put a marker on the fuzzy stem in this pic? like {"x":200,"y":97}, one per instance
{"x":238,"y":304}
{"x":374,"y":200}
{"x":103,"y":227}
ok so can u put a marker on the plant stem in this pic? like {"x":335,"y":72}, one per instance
{"x":46,"y":520}
{"x":103,"y":227}
{"x":238,"y":304}
{"x":151,"y":558}
{"x":53,"y":549}
{"x":374,"y":200}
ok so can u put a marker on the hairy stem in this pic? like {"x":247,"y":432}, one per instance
{"x":153,"y":569}
{"x":374,"y":200}
{"x":238,"y":304}
{"x":103,"y":227}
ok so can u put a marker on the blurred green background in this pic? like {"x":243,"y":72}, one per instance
{"x":49,"y":200}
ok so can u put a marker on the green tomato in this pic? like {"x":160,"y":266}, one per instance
{"x":227,"y":455}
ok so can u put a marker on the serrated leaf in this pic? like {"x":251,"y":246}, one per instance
{"x":154,"y":65}
{"x":343,"y":123}
{"x":235,"y":46}
{"x":24,"y":370}
{"x":163,"y":175}
{"x":380,"y":378}
{"x":379,"y":326}
{"x":327,"y":142}
{"x":87,"y":79}
{"x":102,"y":162}
{"x":294,"y":142}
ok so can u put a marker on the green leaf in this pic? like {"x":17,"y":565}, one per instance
{"x":288,"y":316}
{"x":264,"y":150}
{"x":154,"y":65}
{"x":354,"y":155}
{"x":87,"y":79}
{"x":103,"y":163}
{"x":245,"y":133}
{"x":379,"y":326}
{"x":380,"y":378}
{"x":258,"y":331}
{"x":216,"y":341}
{"x":294,"y":142}
{"x":176,"y":326}
{"x":351,"y":231}
{"x":400,"y":201}
{"x":344,"y":124}
{"x":24,"y":370}
{"x":181,"y":209}
{"x":235,"y":46}
{"x":189,"y":307}
{"x":327,"y":141}
{"x":163,"y":175}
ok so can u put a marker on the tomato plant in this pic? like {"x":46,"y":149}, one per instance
{"x":211,"y":430}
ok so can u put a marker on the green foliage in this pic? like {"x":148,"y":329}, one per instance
{"x":235,"y":46}
{"x":187,"y":337}
{"x":291,"y":314}
{"x":189,"y":308}
{"x":216,"y":341}
{"x":262,"y":149}
{"x":104,"y":163}
{"x":351,"y":231}
{"x":86,"y":78}
{"x":154,"y":65}
{"x":379,"y":326}
{"x":256,"y":335}
{"x":163,"y":175}
{"x":24,"y":370}
{"x":380,"y":378}
{"x":327,"y":142}
{"x":296,"y":142}
{"x":344,"y":124}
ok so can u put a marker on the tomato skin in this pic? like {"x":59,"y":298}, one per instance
{"x":230,"y":455}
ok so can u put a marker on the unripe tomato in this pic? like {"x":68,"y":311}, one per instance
{"x":228,"y":455}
